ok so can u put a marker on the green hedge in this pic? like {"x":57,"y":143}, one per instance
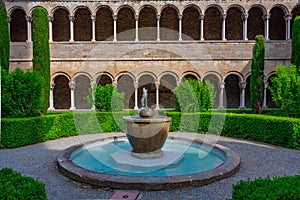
{"x":279,"y":131}
{"x":21,"y":132}
{"x":15,"y":186}
{"x":279,"y":188}
{"x":4,"y":35}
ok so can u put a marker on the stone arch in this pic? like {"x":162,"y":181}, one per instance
{"x":191,"y":23}
{"x":282,"y":7}
{"x":190,"y":75}
{"x":18,"y":25}
{"x":104,"y":23}
{"x":82,"y":24}
{"x":167,"y":82}
{"x":36,"y":6}
{"x":126,"y":23}
{"x":125,"y":84}
{"x":148,"y":23}
{"x":255,"y":19}
{"x":82,"y":85}
{"x":61,"y":24}
{"x":147,"y":80}
{"x":104,"y":78}
{"x":214,"y":79}
{"x":270,"y":103}
{"x":169,"y":23}
{"x":61,"y":91}
{"x":213,"y":23}
{"x":277,"y":23}
{"x":241,"y":8}
{"x":232,"y":90}
{"x":295,"y":12}
{"x":234,"y":24}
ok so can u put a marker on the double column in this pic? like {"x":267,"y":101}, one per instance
{"x":29,"y":21}
{"x":242,"y":86}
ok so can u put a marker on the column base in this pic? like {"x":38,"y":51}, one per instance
{"x":51,"y":109}
{"x":72,"y":108}
{"x":242,"y":107}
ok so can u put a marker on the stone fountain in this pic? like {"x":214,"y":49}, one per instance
{"x":147,"y":132}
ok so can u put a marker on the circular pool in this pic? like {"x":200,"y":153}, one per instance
{"x":108,"y":163}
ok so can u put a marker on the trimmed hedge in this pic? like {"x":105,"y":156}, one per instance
{"x":15,"y":186}
{"x":22,"y":132}
{"x":279,"y":131}
{"x":281,"y":188}
{"x":296,"y":43}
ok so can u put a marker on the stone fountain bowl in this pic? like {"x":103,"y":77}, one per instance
{"x":147,"y":135}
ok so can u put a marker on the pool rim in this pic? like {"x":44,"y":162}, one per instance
{"x":229,"y":167}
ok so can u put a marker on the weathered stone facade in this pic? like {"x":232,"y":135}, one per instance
{"x":92,"y":41}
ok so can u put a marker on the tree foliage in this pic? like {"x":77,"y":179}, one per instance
{"x":285,"y":90}
{"x":193,"y":96}
{"x":21,"y":93}
{"x":4,"y":35}
{"x":257,"y":74}
{"x":295,"y":60}
{"x":41,"y":53}
{"x":105,"y":98}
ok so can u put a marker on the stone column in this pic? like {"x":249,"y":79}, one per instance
{"x":29,"y":20}
{"x":8,"y":21}
{"x":157,"y":95}
{"x":50,"y":18}
{"x":265,"y":95}
{"x":115,"y":83}
{"x":51,"y":102}
{"x":245,"y":27}
{"x":158,"y":27}
{"x":72,"y":87}
{"x":224,"y":28}
{"x":136,"y":87}
{"x":267,"y":17}
{"x":288,"y":26}
{"x":115,"y":17}
{"x":93,"y":17}
{"x":93,"y":84}
{"x":242,"y":95}
{"x":71,"y":18}
{"x":136,"y":28}
{"x":202,"y":27}
{"x":221,"y":95}
{"x":180,"y":27}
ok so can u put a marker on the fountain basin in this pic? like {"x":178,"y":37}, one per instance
{"x":184,"y":173}
{"x":147,"y":135}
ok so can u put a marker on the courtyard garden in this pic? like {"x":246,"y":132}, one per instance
{"x":267,"y":140}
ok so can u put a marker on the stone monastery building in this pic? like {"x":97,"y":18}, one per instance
{"x":154,"y":44}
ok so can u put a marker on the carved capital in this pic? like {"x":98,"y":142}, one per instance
{"x":71,"y":18}
{"x":243,"y":85}
{"x":28,"y":18}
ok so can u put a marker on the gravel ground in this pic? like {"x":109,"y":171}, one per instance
{"x":257,"y":160}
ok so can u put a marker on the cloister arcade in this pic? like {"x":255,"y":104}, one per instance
{"x":125,"y":23}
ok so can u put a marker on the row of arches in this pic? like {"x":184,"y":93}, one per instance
{"x":214,"y":24}
{"x":232,"y":92}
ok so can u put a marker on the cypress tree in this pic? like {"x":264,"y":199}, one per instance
{"x":41,"y":53}
{"x":4,"y":35}
{"x":296,"y":43}
{"x":257,"y":74}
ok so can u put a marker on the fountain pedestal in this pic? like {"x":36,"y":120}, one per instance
{"x":147,"y":135}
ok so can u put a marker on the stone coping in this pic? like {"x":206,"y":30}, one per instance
{"x":69,"y":169}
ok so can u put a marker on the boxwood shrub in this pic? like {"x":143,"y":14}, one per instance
{"x":15,"y":186}
{"x":281,"y":131}
{"x":278,"y":188}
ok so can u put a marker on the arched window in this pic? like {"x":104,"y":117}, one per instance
{"x":213,"y":79}
{"x":148,"y":82}
{"x":232,"y":91}
{"x":191,"y":24}
{"x":104,"y":24}
{"x":61,"y":93}
{"x":83,"y":25}
{"x":256,"y":24}
{"x":234,"y":24}
{"x":18,"y":26}
{"x":277,"y":24}
{"x":126,"y":25}
{"x":126,"y":85}
{"x":167,"y":84}
{"x":169,"y":24}
{"x":103,"y":80}
{"x":213,"y":24}
{"x":147,"y":24}
{"x":82,"y":86}
{"x":61,"y":25}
